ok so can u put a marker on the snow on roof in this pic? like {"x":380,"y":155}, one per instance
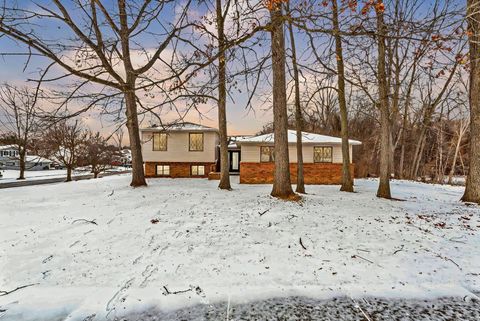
{"x":232,"y":140}
{"x":184,"y":126}
{"x":8,"y":147}
{"x":307,"y":138}
{"x":36,"y":159}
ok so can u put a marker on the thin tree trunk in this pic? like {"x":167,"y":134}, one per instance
{"x":457,"y":150}
{"x":347,"y":181}
{"x":384,"y":185}
{"x":282,"y":187}
{"x":21,"y":156}
{"x":417,"y":159}
{"x":138,"y":177}
{"x":222,"y":102}
{"x":401,"y":170}
{"x":440,"y":173}
{"x":454,"y":163}
{"x":69,"y":173}
{"x":464,"y":172}
{"x":298,"y":113}
{"x":472,"y":187}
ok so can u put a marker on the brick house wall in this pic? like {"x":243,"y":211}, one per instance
{"x":314,"y":173}
{"x":178,"y":169}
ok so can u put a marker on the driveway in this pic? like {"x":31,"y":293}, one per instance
{"x":343,"y":308}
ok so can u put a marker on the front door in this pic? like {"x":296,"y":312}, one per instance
{"x":234,"y":159}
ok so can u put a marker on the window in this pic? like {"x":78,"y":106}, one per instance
{"x":322,"y":154}
{"x":159,"y":141}
{"x":196,"y":142}
{"x":163,"y":170}
{"x":198,"y":170}
{"x":267,"y":154}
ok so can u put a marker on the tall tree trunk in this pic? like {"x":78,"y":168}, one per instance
{"x":384,"y":185}
{"x":69,"y":173}
{"x":282,"y":187}
{"x":347,"y":181}
{"x":298,"y":111}
{"x":472,"y":188}
{"x":138,"y":177}
{"x":222,"y":101}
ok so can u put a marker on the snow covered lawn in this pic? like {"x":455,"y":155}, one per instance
{"x":181,"y":242}
{"x":10,"y":175}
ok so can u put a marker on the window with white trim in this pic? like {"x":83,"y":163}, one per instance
{"x":163,"y":170}
{"x":197,"y":170}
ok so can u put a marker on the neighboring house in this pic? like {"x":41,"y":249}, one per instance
{"x":123,"y":158}
{"x":9,"y":159}
{"x":37,"y":163}
{"x":322,"y":158}
{"x":8,"y":156}
{"x":179,"y":150}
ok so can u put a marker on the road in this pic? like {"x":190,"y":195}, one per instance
{"x":342,"y":308}
{"x":31,"y":182}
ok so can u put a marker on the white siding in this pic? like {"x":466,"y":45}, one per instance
{"x":177,"y":148}
{"x":251,"y":153}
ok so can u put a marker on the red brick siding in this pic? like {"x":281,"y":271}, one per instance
{"x":177,"y":169}
{"x":314,"y":173}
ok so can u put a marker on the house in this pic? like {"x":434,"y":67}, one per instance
{"x":9,"y":159}
{"x":322,"y":158}
{"x":179,"y":150}
{"x":192,"y":150}
{"x":8,"y":156}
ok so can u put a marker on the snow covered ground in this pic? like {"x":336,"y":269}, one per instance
{"x":10,"y":175}
{"x":97,"y":249}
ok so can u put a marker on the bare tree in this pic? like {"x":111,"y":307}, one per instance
{"x":298,"y":108}
{"x":347,"y":181}
{"x":97,"y":153}
{"x":472,"y":188}
{"x":64,"y":141}
{"x":384,"y":105}
{"x":18,"y":118}
{"x":104,"y":40}
{"x":221,"y":13}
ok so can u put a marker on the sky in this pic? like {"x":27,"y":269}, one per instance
{"x":13,"y":70}
{"x":240,"y":120}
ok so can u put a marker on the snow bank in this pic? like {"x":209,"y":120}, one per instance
{"x":211,"y":245}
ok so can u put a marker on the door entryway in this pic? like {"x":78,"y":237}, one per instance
{"x":234,"y":160}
